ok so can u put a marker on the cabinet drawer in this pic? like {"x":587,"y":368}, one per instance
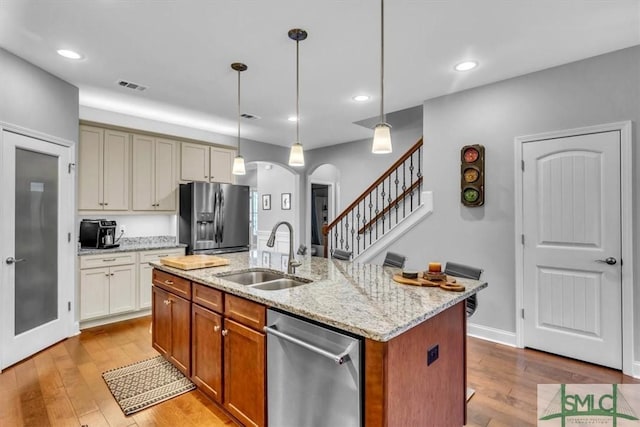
{"x":107,"y":260}
{"x":156,"y":254}
{"x":171,"y":283}
{"x":207,"y":297}
{"x":243,"y":311}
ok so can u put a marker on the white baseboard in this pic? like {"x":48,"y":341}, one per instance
{"x":112,"y":319}
{"x":425,"y":209}
{"x":636,"y":370}
{"x":492,"y":334}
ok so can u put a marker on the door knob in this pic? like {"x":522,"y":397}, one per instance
{"x":12,"y":260}
{"x":610,"y":260}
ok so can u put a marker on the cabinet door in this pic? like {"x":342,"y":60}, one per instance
{"x":244,"y":373}
{"x":165,"y":175}
{"x":94,"y":293}
{"x":116,"y":170}
{"x":143,"y":173}
{"x":194,"y":162}
{"x":180,"y":334}
{"x":206,"y":351}
{"x":221,"y":165}
{"x":122,"y":289}
{"x":144,"y":286}
{"x":161,"y":321}
{"x":90,"y":170}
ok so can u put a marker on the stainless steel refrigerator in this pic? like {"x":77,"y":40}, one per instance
{"x":214,"y":218}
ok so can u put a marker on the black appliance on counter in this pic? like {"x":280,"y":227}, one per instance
{"x":98,"y":234}
{"x":214,"y":218}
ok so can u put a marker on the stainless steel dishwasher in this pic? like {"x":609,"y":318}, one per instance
{"x":314,"y":376}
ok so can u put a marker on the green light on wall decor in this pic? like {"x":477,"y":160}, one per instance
{"x":472,"y":175}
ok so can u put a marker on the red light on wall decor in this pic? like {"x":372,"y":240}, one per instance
{"x":472,"y":175}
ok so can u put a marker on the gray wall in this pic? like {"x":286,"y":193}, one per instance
{"x":358,"y":166}
{"x":598,"y":90}
{"x":34,"y":99}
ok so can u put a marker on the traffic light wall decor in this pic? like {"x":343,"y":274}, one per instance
{"x":472,"y":175}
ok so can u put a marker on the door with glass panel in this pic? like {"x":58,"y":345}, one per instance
{"x":36,"y":265}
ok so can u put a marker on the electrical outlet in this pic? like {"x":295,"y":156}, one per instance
{"x":432,"y":354}
{"x":122,"y":229}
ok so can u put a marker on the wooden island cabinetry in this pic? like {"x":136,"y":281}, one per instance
{"x":171,"y":319}
{"x":226,"y":345}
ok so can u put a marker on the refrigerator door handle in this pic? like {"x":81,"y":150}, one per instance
{"x":215,"y":217}
{"x":221,"y":208}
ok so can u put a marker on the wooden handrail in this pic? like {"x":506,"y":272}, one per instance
{"x":404,"y":194}
{"x":405,"y":156}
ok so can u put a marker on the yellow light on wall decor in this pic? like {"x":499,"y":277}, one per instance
{"x":238,"y":161}
{"x":296,"y":156}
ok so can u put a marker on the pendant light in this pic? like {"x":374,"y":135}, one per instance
{"x":382,"y":131}
{"x":296,"y":157}
{"x":238,"y":162}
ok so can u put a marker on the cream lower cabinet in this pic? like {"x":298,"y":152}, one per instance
{"x":103,"y":169}
{"x":200,"y":162}
{"x":154,"y":178}
{"x":107,"y":285}
{"x":145,"y":279}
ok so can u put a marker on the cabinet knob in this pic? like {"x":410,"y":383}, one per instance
{"x":113,"y":274}
{"x":224,"y":332}
{"x":105,"y":203}
{"x":216,"y":328}
{"x":107,"y":274}
{"x":167,"y":302}
{"x":168,"y":282}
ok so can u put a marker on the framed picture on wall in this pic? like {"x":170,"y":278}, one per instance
{"x":266,"y":202}
{"x":285,"y":201}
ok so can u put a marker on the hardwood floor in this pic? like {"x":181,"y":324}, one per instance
{"x":62,"y":385}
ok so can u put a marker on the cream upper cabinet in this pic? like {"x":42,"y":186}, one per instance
{"x":203,"y":163}
{"x":103,"y":169}
{"x":195,"y":162}
{"x":154,"y":174}
{"x":220,"y":165}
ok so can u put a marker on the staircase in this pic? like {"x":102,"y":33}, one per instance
{"x":379,"y":209}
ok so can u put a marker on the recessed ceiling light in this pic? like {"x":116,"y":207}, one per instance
{"x":70,"y":54}
{"x":361,"y":98}
{"x":466,"y":66}
{"x":292,"y":119}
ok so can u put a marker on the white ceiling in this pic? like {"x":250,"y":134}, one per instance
{"x":182,"y":50}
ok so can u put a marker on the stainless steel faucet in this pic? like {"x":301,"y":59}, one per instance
{"x":292,"y":263}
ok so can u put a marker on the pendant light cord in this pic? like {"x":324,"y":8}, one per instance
{"x":381,"y":61}
{"x":297,"y":91}
{"x":239,"y":116}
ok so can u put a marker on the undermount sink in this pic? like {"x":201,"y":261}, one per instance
{"x":252,"y":277}
{"x":265,"y":280}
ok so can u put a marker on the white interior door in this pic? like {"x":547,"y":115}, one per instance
{"x":571,"y":223}
{"x":36,"y":268}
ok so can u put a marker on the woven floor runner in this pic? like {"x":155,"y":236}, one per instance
{"x":143,"y":384}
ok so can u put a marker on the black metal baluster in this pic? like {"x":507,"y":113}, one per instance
{"x":404,"y":187}
{"x":376,"y":221}
{"x":419,"y":174}
{"x":358,"y":225}
{"x":389,"y":202}
{"x":370,"y":216}
{"x":397,"y":181}
{"x":382,"y":195}
{"x":411,"y":181}
{"x":353,"y":230}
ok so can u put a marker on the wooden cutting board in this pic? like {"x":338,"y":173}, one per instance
{"x":192,"y":262}
{"x":449,"y":285}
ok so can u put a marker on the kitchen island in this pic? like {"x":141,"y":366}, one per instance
{"x":399,"y":324}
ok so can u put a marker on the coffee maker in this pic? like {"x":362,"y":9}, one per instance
{"x":98,"y":234}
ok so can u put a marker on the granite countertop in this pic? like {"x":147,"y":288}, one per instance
{"x":128,"y":244}
{"x":359,"y":298}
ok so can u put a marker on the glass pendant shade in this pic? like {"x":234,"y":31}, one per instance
{"x":382,"y":139}
{"x":238,"y":166}
{"x":296,"y":157}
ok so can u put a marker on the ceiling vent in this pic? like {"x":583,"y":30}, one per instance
{"x":249,"y":116}
{"x":132,"y":85}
